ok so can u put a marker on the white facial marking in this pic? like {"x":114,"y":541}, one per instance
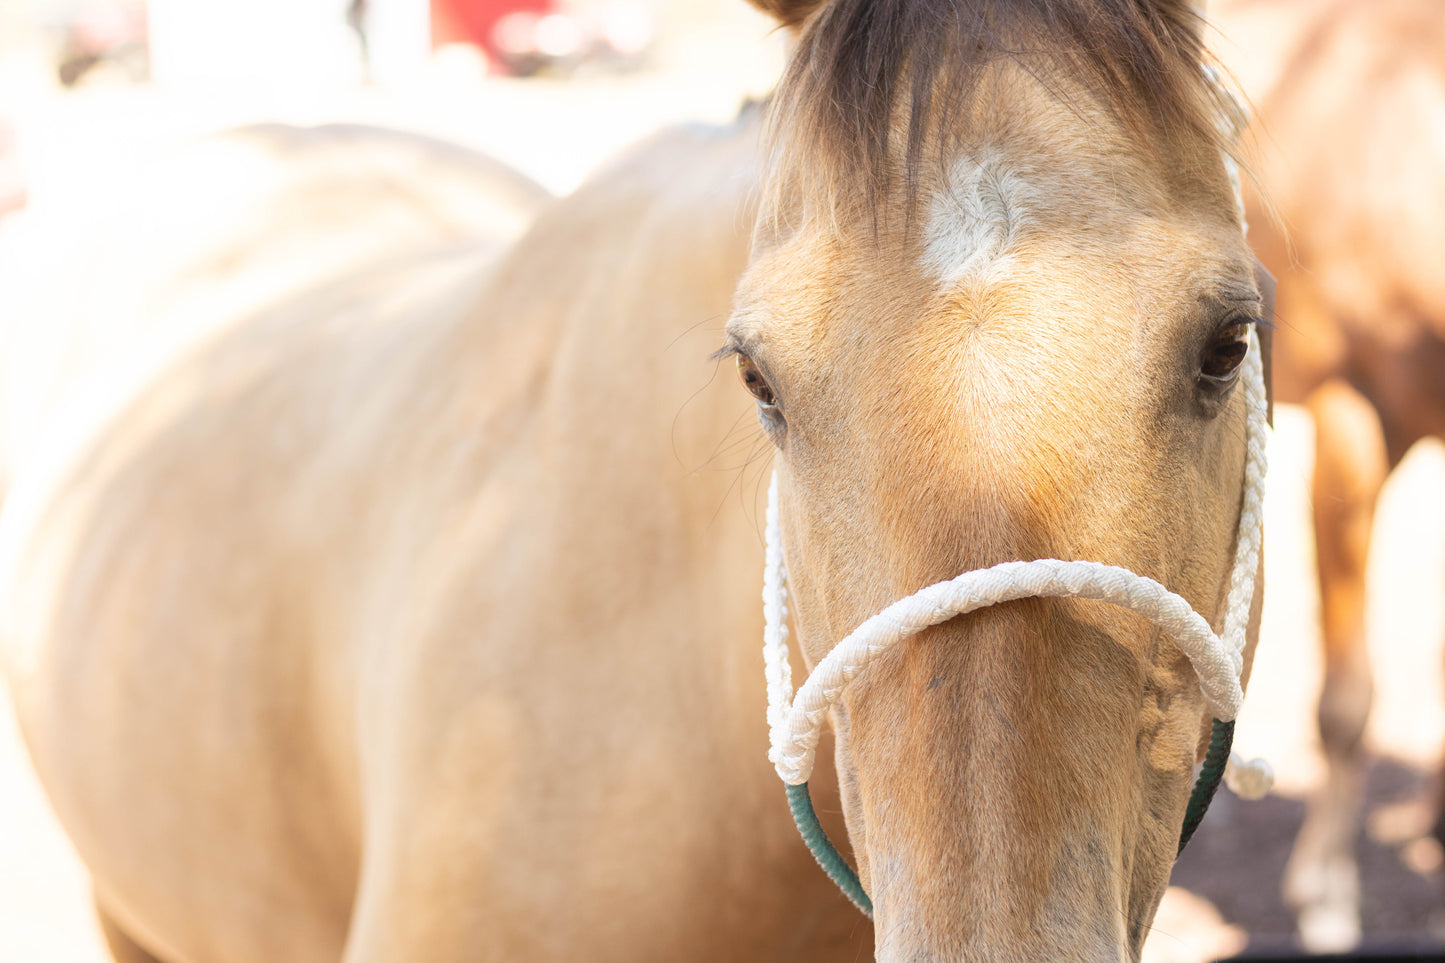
{"x":972,"y":223}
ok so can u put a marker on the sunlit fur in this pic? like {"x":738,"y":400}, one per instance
{"x":228,"y":224}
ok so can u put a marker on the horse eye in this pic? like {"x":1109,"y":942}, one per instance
{"x":1225,"y":354}
{"x":754,"y":381}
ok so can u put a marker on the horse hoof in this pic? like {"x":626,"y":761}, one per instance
{"x":1329,"y":927}
{"x":1325,"y":895}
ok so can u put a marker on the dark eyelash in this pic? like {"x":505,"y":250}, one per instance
{"x":1251,"y":311}
{"x":730,"y":350}
{"x":1245,"y":318}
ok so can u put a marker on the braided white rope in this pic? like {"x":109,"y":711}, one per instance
{"x":796,"y":723}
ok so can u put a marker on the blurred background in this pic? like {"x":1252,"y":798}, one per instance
{"x":548,"y":85}
{"x":98,"y":96}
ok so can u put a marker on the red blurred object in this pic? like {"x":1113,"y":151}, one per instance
{"x":100,"y":32}
{"x":475,"y":21}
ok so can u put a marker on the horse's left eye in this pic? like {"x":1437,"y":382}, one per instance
{"x":753,"y":380}
{"x":1225,"y":354}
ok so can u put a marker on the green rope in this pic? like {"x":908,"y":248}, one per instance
{"x":824,"y":851}
{"x":1221,"y":737}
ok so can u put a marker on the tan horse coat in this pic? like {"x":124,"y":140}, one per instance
{"x":362,"y":725}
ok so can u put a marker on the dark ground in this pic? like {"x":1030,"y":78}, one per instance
{"x":1238,"y":857}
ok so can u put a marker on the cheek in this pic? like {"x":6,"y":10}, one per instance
{"x":1173,"y":719}
{"x":806,"y":575}
{"x":849,"y":794}
{"x":831,"y":583}
{"x":1215,"y":509}
{"x":1169,"y":716}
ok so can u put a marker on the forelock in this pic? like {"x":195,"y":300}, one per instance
{"x":876,"y":86}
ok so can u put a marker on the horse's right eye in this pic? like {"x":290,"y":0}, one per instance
{"x":753,"y":380}
{"x":1223,"y":357}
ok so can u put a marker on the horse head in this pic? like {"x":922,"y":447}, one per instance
{"x":997,"y":309}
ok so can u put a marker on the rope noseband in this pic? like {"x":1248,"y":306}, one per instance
{"x":795,"y":724}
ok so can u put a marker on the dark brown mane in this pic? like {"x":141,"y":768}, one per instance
{"x":860,"y":64}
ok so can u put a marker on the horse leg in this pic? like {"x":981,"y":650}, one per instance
{"x":1322,"y":879}
{"x":1438,"y":829}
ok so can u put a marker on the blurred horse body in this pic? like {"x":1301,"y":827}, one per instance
{"x":404,"y":621}
{"x":220,"y":228}
{"x":326,"y":738}
{"x":1350,"y":130}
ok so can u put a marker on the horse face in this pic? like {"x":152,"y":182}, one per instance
{"x":1040,"y":361}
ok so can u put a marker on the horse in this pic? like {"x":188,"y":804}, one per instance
{"x":221,"y":227}
{"x":1361,"y":344}
{"x":417,"y":618}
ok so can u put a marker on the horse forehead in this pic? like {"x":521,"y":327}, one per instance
{"x":1016,"y":230}
{"x":995,"y":195}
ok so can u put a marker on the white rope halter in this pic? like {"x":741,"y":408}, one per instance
{"x":796,"y":723}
